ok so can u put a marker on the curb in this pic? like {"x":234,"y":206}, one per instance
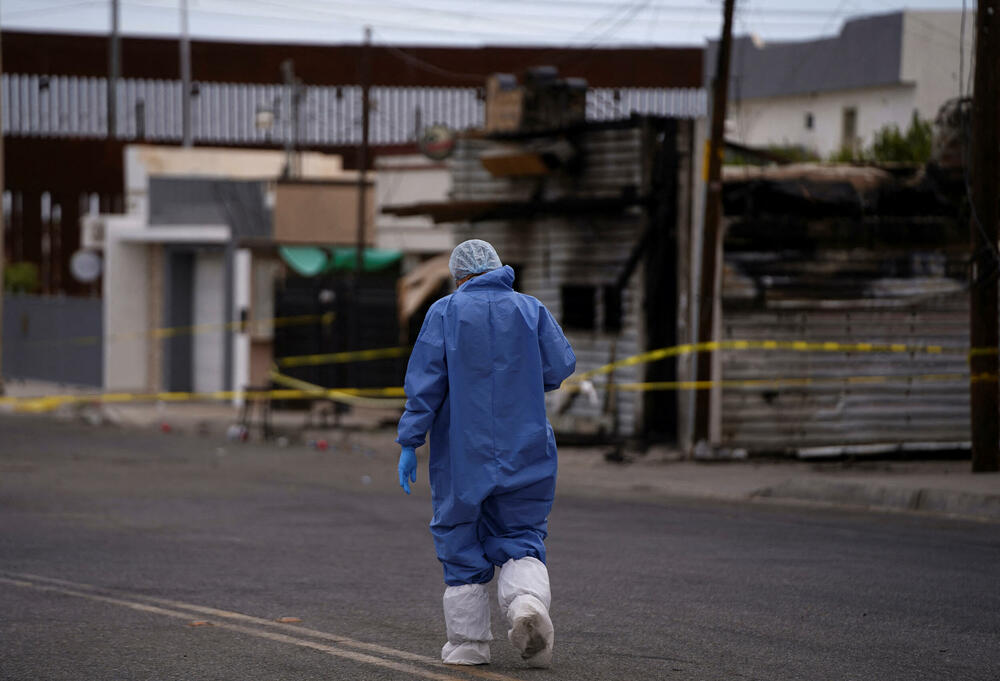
{"x":927,"y":500}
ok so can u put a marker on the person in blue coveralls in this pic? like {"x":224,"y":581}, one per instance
{"x":476,"y":380}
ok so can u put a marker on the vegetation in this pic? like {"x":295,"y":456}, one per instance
{"x":891,"y":145}
{"x":786,"y":154}
{"x":21,"y":277}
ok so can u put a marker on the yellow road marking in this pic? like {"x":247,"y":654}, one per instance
{"x":134,"y":601}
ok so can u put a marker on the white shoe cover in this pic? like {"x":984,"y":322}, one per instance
{"x":523,"y":590}
{"x":467,"y":620}
{"x":470,"y":652}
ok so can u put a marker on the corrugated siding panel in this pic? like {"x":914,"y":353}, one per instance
{"x":593,"y":250}
{"x":613,"y":166}
{"x":556,"y":251}
{"x":550,"y":253}
{"x":224,"y":113}
{"x":833,"y":412}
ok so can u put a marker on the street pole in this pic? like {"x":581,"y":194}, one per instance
{"x":114,"y":64}
{"x":185,"y":77}
{"x":984,"y":389}
{"x":363,"y":151}
{"x":3,"y":222}
{"x":292,"y":138}
{"x":710,"y":232}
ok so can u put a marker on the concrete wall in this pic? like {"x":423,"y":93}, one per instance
{"x":126,"y":310}
{"x":408,"y":179}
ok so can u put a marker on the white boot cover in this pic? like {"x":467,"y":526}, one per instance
{"x":467,"y":620}
{"x":523,"y":590}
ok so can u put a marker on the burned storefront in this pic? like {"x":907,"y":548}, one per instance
{"x":594,"y":219}
{"x":844,"y":312}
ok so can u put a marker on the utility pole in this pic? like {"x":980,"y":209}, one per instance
{"x":3,"y":223}
{"x":985,"y":177}
{"x":293,"y":91}
{"x":710,"y":232}
{"x":114,"y":66}
{"x":185,"y":77}
{"x":363,"y":151}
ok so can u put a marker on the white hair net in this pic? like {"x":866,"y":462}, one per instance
{"x":474,"y":256}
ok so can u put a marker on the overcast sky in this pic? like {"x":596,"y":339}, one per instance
{"x":452,"y":22}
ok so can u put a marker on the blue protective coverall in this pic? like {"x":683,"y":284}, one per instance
{"x":477,"y":379}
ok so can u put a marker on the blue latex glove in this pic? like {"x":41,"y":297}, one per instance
{"x":407,"y":468}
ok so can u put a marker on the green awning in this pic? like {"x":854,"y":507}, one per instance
{"x":312,"y":260}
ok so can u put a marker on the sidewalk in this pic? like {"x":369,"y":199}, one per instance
{"x":944,"y":488}
{"x":937,"y":487}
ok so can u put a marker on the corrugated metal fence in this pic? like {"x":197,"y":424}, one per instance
{"x":906,"y":293}
{"x":853,"y":398}
{"x":552,"y":252}
{"x":226,"y":113}
{"x":54,"y":339}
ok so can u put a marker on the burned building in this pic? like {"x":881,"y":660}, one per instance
{"x":844,"y":311}
{"x":594,"y":219}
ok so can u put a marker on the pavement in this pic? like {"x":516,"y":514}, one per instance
{"x":130,"y":553}
{"x":943,"y":487}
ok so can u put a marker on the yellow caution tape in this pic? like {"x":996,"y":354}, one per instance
{"x":796,"y":382}
{"x":393,"y":397}
{"x":384,"y":397}
{"x":368,"y":397}
{"x":341,"y":357}
{"x":372,"y":397}
{"x":795,"y":346}
{"x":172,"y":331}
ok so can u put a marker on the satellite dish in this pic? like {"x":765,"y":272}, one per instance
{"x":437,"y":142}
{"x":85,"y":266}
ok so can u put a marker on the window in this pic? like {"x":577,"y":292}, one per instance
{"x":809,"y":120}
{"x":612,"y":309}
{"x":578,"y":307}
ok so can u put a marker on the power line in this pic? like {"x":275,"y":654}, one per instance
{"x":34,"y":11}
{"x":433,"y":68}
{"x":359,"y":20}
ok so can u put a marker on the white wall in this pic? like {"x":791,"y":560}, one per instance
{"x":931,"y":56}
{"x":781,"y":120}
{"x":126,"y":311}
{"x":929,"y":76}
{"x":209,"y":312}
{"x":242,"y":300}
{"x":408,"y":179}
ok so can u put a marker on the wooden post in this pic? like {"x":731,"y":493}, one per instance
{"x":983,"y":328}
{"x":710,"y":233}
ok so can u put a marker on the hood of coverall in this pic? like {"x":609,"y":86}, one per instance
{"x":503,"y":276}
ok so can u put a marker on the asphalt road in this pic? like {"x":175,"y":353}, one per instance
{"x":113,"y":543}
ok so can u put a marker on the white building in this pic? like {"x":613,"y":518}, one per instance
{"x":192,"y":257}
{"x":830,"y":93}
